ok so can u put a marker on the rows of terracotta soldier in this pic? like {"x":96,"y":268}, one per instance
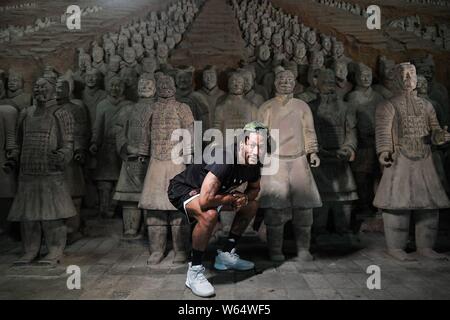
{"x":74,"y":135}
{"x":348,"y":135}
{"x":330,"y":144}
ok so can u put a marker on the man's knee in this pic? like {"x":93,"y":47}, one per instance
{"x":209,"y":218}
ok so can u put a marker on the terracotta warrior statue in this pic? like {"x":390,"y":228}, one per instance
{"x":363,"y":102}
{"x":113,"y":68}
{"x":92,"y":94}
{"x":43,"y":202}
{"x":234,"y":111}
{"x":208,"y":95}
{"x":336,"y":132}
{"x":133,"y":145}
{"x":184,"y":76}
{"x":249,"y":88}
{"x":343,"y":86}
{"x":291,"y":194}
{"x":406,"y":128}
{"x":98,"y":63}
{"x":74,"y":171}
{"x":167,"y":116}
{"x":9,"y":153}
{"x":15,"y":95}
{"x":103,"y":144}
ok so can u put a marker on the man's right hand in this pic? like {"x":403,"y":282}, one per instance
{"x":241,"y":200}
{"x":385,"y":159}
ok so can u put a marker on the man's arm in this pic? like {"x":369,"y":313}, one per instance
{"x":208,"y":194}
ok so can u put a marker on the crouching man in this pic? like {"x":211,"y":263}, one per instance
{"x":203,"y":190}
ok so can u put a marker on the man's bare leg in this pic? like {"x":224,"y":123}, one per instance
{"x":206,"y":221}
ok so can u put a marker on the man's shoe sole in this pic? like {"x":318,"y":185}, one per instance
{"x":197,"y":294}
{"x":222,"y":267}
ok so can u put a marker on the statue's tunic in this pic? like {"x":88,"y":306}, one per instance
{"x":293,"y":185}
{"x":19,"y":99}
{"x":405,"y":125}
{"x":167,"y":116}
{"x":234,"y":112}
{"x":135,"y":132}
{"x":74,"y":171}
{"x":43,"y":193}
{"x":8,"y":120}
{"x":207,"y":100}
{"x":109,"y":112}
{"x":335,"y":128}
{"x":363,"y":106}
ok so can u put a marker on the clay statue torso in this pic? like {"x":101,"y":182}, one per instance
{"x":234,"y":112}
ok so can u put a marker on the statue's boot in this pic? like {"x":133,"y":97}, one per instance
{"x":302,"y":223}
{"x":342,"y":213}
{"x":157,"y":237}
{"x":105,"y":199}
{"x":180,"y":230}
{"x":396,"y":231}
{"x":275,"y":243}
{"x":427,"y":222}
{"x":55,"y":234}
{"x":131,"y":222}
{"x":179,"y":244}
{"x":31,"y":232}
{"x":74,"y":224}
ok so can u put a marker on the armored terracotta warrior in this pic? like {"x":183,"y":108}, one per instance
{"x":113,"y":68}
{"x":130,"y":79}
{"x":92,"y":94}
{"x":183,"y":81}
{"x":438,"y":151}
{"x":291,"y":193}
{"x":436,"y":90}
{"x":74,"y":171}
{"x":311,"y":92}
{"x":16,"y":96}
{"x":336,"y":133}
{"x":208,"y":95}
{"x":312,"y":45}
{"x":162,"y":57}
{"x":84,"y":63}
{"x":167,"y":116}
{"x":43,"y":200}
{"x":234,"y":111}
{"x":9,"y":152}
{"x":388,"y":87}
{"x":263,"y":64}
{"x":406,"y":128}
{"x":362,"y":103}
{"x":103,"y":144}
{"x":301,"y":59}
{"x":339,"y":53}
{"x":343,"y":86}
{"x":133,"y":145}
{"x":249,"y":88}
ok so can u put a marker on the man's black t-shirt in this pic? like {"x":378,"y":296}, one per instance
{"x":230,"y":174}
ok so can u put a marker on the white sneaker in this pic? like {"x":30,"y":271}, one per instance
{"x":197,"y":282}
{"x":231,"y":260}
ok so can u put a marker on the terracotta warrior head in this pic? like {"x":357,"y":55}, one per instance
{"x":116,"y":87}
{"x":264,"y":53}
{"x":363,"y":76}
{"x":340,"y":70}
{"x":184,"y":77}
{"x":62,"y":90}
{"x":406,"y":76}
{"x":236,"y":84}
{"x":146,"y":88}
{"x":326,"y":82}
{"x":422,"y":85}
{"x":15,"y":81}
{"x":209,"y":78}
{"x":284,"y":82}
{"x":165,"y":86}
{"x":92,"y":78}
{"x":45,"y":89}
